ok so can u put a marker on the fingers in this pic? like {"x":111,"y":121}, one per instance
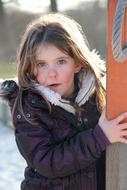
{"x":115,"y":130}
{"x":122,"y":126}
{"x":120,"y":118}
{"x":123,"y":140}
{"x":123,"y":133}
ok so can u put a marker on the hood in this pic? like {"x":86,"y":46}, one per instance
{"x":8,"y":88}
{"x":87,"y":81}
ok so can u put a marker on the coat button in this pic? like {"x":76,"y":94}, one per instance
{"x":28,"y":115}
{"x":18,"y":116}
{"x":33,"y":101}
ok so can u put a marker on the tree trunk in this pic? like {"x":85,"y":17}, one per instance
{"x":4,"y":32}
{"x":53,"y":6}
{"x":1,"y":11}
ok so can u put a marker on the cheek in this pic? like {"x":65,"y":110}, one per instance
{"x":68,"y":76}
{"x":40,"y":77}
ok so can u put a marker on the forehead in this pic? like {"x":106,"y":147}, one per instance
{"x":46,"y":51}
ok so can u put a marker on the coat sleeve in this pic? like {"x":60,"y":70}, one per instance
{"x":58,"y":160}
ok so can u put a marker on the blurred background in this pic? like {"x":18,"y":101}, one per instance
{"x":16,"y":14}
{"x":14,"y":17}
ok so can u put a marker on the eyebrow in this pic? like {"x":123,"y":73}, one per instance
{"x":61,"y":57}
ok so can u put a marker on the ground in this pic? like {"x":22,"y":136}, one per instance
{"x":11,"y":163}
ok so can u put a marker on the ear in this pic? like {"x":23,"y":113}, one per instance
{"x":78,"y":67}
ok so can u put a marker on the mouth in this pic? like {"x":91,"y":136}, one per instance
{"x":53,"y":86}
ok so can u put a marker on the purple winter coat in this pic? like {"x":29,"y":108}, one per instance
{"x":62,"y":153}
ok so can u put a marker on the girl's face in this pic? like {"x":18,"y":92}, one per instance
{"x":56,"y":69}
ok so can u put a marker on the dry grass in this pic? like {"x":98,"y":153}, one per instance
{"x":8,"y":70}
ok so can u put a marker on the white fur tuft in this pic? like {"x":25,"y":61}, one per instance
{"x":1,"y":81}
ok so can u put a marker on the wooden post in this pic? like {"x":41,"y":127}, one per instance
{"x":116,"y":156}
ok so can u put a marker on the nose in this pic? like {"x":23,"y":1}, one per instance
{"x":52,"y":72}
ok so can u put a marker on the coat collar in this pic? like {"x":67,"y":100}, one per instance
{"x":87,"y":81}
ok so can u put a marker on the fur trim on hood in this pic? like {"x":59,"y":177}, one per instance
{"x":8,"y":88}
{"x":87,"y":89}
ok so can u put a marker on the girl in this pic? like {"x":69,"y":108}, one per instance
{"x":56,"y":108}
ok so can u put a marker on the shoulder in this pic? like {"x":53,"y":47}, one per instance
{"x":25,"y":114}
{"x":34,"y":99}
{"x":9,"y":89}
{"x":21,"y":101}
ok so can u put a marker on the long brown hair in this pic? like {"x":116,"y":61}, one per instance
{"x":67,"y":35}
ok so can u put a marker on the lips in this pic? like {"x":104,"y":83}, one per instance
{"x":53,"y":85}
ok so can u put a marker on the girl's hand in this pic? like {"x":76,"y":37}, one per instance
{"x":113,"y":129}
